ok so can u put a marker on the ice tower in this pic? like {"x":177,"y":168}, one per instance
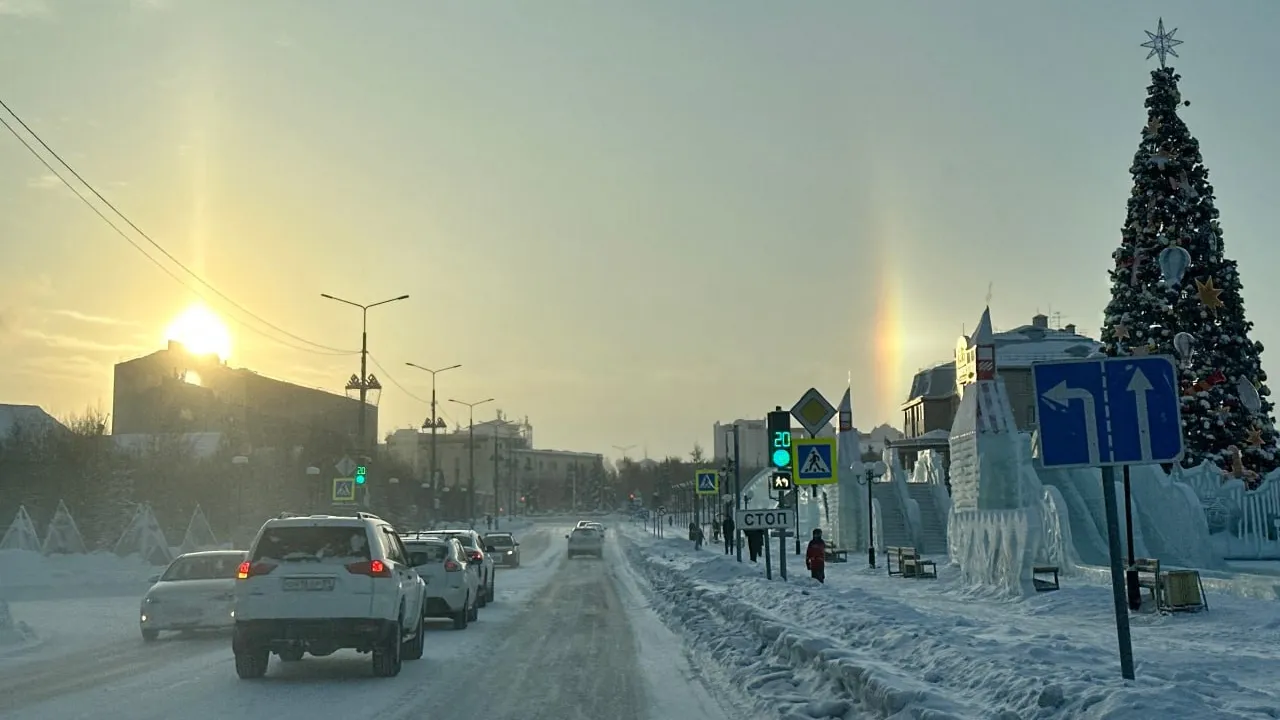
{"x":994,"y":528}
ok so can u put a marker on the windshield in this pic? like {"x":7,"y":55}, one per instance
{"x":500,"y":541}
{"x":203,"y":567}
{"x":427,"y":553}
{"x":313,"y":544}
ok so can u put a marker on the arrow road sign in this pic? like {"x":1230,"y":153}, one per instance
{"x":813,"y":461}
{"x":813,"y":411}
{"x":708,"y":482}
{"x":780,"y":481}
{"x":344,"y":490}
{"x":1108,"y":411}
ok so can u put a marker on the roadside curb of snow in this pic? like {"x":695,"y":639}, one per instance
{"x":761,"y":653}
{"x":15,"y":637}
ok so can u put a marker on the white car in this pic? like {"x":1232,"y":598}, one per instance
{"x":474,"y":547}
{"x":452,"y":588}
{"x":586,"y":540}
{"x":321,"y":583}
{"x":196,"y":592}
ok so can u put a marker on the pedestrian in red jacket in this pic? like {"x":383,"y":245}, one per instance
{"x":815,"y":558}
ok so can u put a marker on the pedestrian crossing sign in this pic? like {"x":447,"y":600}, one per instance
{"x":708,"y":482}
{"x":344,"y":490}
{"x":813,"y":461}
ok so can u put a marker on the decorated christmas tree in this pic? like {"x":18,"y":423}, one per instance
{"x":1174,"y":291}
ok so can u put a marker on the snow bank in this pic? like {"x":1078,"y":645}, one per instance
{"x":889,"y":647}
{"x":22,"y":569}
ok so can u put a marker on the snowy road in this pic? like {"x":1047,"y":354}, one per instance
{"x":566,"y":639}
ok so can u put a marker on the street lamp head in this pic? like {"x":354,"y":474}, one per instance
{"x":240,"y":460}
{"x":877,"y":468}
{"x":402,"y":297}
{"x":313,"y":470}
{"x":394,"y":480}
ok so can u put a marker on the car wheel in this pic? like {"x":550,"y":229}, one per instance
{"x":386,"y":658}
{"x":150,"y":635}
{"x":252,"y":664}
{"x":461,"y":617}
{"x":413,"y":649}
{"x":290,"y":654}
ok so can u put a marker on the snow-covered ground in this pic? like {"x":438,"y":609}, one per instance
{"x":888,"y":647}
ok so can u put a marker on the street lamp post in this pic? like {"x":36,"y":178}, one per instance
{"x":365,"y":383}
{"x":874,"y":470}
{"x":471,"y":453}
{"x":434,"y":423}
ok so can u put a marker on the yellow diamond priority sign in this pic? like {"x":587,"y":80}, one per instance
{"x":813,"y":411}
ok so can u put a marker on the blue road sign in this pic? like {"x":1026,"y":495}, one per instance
{"x":708,"y":482}
{"x":344,"y":490}
{"x":1108,"y":411}
{"x":813,"y":461}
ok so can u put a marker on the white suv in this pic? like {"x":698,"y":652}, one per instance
{"x":453,"y":588}
{"x":321,"y":583}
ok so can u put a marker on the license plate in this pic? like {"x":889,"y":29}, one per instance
{"x":308,"y":584}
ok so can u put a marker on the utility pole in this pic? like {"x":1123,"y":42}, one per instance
{"x":737,"y":492}
{"x":434,"y":423}
{"x":365,"y":382}
{"x":471,"y":454}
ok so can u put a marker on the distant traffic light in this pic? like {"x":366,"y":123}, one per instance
{"x":779,"y":424}
{"x":361,"y":472}
{"x":780,"y":480}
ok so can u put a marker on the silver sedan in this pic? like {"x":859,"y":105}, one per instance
{"x":196,"y":592}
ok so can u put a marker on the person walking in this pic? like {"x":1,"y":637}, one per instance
{"x":728,"y":527}
{"x":815,"y":557}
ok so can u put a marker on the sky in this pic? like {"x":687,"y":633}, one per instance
{"x":626,"y":221}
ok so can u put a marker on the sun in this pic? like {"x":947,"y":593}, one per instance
{"x":201,"y":332}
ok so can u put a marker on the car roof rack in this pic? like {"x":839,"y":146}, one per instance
{"x":366,"y":516}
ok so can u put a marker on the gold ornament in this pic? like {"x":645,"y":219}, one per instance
{"x":1153,"y":125}
{"x":1210,"y":296}
{"x":1142,"y":351}
{"x":1255,"y":437}
{"x":1122,"y":331}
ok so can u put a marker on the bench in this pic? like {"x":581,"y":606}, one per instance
{"x":1044,"y":584}
{"x":909,"y":563}
{"x":1148,"y":570}
{"x":836,"y":555}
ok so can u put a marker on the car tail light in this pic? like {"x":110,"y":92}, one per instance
{"x":372,"y":568}
{"x":452,"y":566}
{"x":248,"y":569}
{"x":475,"y":554}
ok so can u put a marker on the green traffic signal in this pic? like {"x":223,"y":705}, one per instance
{"x":782,"y":458}
{"x":360,"y":473}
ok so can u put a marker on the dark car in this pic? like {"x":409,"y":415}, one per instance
{"x":503,"y":548}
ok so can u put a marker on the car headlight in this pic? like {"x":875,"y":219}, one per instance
{"x":511,"y":552}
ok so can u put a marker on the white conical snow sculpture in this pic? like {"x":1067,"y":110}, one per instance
{"x":199,"y":535}
{"x":62,"y":537}
{"x":144,"y":538}
{"x":21,"y":534}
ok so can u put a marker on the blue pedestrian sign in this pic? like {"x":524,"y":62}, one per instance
{"x":813,"y":461}
{"x":1108,"y":411}
{"x":708,"y":482}
{"x":344,"y":490}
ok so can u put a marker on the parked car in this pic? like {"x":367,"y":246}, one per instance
{"x":196,"y":592}
{"x":504,"y":549}
{"x":453,"y":589}
{"x":319,"y":583}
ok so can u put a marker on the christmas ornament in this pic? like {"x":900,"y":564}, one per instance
{"x":1153,"y":126}
{"x":1174,"y":261}
{"x":1182,"y":343}
{"x":1122,"y":331}
{"x":1160,"y":158}
{"x":1210,"y":296}
{"x":1249,"y":396}
{"x":1141,"y":351}
{"x":1188,"y":190}
{"x":1255,"y":437}
{"x":1161,"y":43}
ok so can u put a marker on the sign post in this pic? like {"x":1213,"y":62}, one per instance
{"x":1103,"y":413}
{"x":767,"y":520}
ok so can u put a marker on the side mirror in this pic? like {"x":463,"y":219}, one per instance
{"x":153,"y":579}
{"x":566,"y":537}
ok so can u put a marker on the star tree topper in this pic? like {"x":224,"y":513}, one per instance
{"x":1161,"y":43}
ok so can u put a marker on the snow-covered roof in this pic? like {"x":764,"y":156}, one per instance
{"x":29,"y":417}
{"x":1029,"y":343}
{"x":938,"y":381}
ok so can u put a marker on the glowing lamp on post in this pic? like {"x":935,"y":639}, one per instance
{"x":779,"y":426}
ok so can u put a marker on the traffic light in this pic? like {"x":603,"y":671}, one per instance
{"x":361,"y":471}
{"x":780,"y":480}
{"x":779,"y":424}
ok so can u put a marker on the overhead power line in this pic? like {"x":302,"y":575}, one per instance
{"x":315,"y":348}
